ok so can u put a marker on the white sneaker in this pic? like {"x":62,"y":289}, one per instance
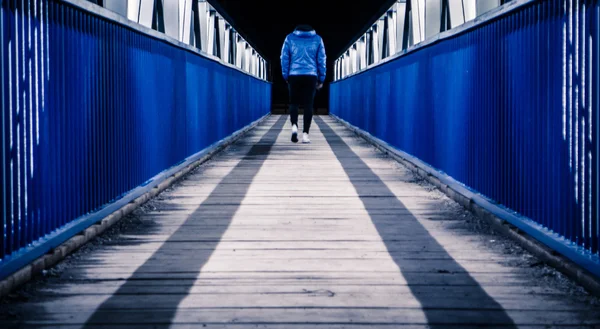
{"x":294,"y":133}
{"x":305,"y":138}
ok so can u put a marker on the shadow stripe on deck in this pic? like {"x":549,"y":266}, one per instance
{"x":353,"y":165}
{"x":259,"y":152}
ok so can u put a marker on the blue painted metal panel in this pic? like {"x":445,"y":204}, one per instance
{"x":93,"y":112}
{"x":509,"y":108}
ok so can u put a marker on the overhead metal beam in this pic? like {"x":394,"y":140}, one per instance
{"x":405,"y":24}
{"x":196,"y":22}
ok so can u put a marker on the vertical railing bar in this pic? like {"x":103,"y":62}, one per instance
{"x":34,"y":204}
{"x":585,"y":166}
{"x":534,"y":25}
{"x":576,"y":123}
{"x":44,"y":158}
{"x":15,"y":134}
{"x":596,"y":127}
{"x":70,"y":177}
{"x":541,"y":100}
{"x":572,"y":185}
{"x":12,"y":94}
{"x":28,"y":129}
{"x":122,"y":165}
{"x":93,"y":101}
{"x":44,"y":194}
{"x":591,"y":141}
{"x":97,"y":120}
{"x":63,"y":140}
{"x":78,"y":156}
{"x":558,"y":38}
{"x":54,"y":115}
{"x":34,"y":144}
{"x":112,"y":131}
{"x":22,"y":130}
{"x":550,"y":80}
{"x":3,"y":130}
{"x":57,"y":117}
{"x":105,"y":114}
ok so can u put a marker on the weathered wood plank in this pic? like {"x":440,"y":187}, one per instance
{"x":317,"y":315}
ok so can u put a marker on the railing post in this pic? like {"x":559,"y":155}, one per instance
{"x":203,"y":15}
{"x":484,"y":6}
{"x":222,"y":33}
{"x":400,"y":25}
{"x":362,"y":52}
{"x":186,"y":23}
{"x":233,"y":46}
{"x":171,"y":18}
{"x":418,"y":20}
{"x":226,"y":43}
{"x":433,"y":16}
{"x":145,"y":11}
{"x":381,"y":38}
{"x":246,"y":57}
{"x":253,"y":62}
{"x":133,"y":10}
{"x":239,"y":61}
{"x":212,"y":37}
{"x":369,"y":46}
{"x":376,"y":40}
{"x":118,"y":6}
{"x":469,"y":9}
{"x":392,"y":30}
{"x":353,"y":66}
{"x":458,"y":13}
{"x":158,"y":16}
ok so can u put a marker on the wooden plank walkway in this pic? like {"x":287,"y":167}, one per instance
{"x":271,"y":234}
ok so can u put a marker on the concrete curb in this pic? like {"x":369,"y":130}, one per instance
{"x":543,"y":252}
{"x":25,"y":274}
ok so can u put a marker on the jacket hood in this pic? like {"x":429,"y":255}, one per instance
{"x":304,"y":27}
{"x":304,"y":31}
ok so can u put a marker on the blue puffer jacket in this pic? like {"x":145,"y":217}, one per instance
{"x":303,"y":53}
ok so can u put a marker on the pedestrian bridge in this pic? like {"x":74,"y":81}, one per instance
{"x":454,"y":183}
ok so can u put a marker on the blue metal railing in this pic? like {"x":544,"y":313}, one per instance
{"x":509,"y":107}
{"x":92,"y":109}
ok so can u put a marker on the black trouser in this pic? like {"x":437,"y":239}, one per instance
{"x":302,"y":92}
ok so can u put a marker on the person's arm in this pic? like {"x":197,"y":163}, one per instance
{"x":285,"y":60}
{"x":321,"y":64}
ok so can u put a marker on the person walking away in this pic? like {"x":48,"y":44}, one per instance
{"x":303,"y":66}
